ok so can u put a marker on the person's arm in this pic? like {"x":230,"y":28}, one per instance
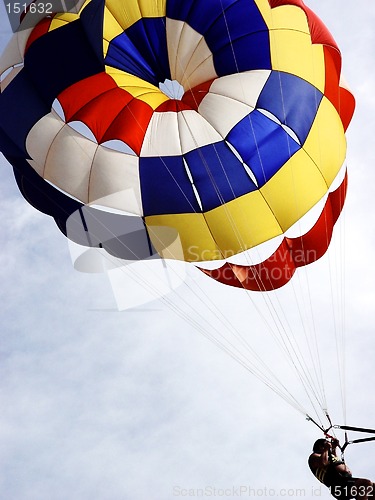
{"x":321,"y":459}
{"x":324,"y":457}
{"x":335,"y":443}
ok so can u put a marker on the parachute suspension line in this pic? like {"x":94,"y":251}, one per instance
{"x":337,"y":284}
{"x":340,"y":343}
{"x":286,"y":345}
{"x":281,"y":391}
{"x":232,"y":223}
{"x":326,"y":430}
{"x":337,"y":268}
{"x":343,"y":314}
{"x":287,"y":397}
{"x":294,"y":355}
{"x":220,"y":197}
{"x":342,"y":301}
{"x":226,"y":346}
{"x":291,"y":349}
{"x":197,"y":326}
{"x":264,"y":368}
{"x":240,"y":357}
{"x":277,"y":321}
{"x":218,"y":313}
{"x":204,"y":328}
{"x":219,"y":194}
{"x":320,"y":426}
{"x":316,"y":365}
{"x":300,"y":358}
{"x":317,"y":372}
{"x":204,"y":331}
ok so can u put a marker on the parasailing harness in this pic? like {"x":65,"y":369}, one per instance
{"x":344,"y":428}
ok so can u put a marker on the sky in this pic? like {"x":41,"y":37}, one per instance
{"x":112,"y":403}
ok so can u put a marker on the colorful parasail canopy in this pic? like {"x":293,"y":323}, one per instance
{"x":207,"y":128}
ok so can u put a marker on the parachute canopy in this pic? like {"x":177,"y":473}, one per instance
{"x":212,"y":126}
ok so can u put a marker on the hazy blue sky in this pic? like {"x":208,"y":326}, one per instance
{"x":138,"y":405}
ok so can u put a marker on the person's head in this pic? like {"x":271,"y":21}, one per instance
{"x":319,"y":445}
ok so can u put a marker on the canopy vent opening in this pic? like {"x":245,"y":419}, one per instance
{"x":172,"y":89}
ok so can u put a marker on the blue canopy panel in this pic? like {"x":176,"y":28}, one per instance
{"x":262,"y":144}
{"x":142,"y":51}
{"x":234,"y":31}
{"x":292,"y":100}
{"x":238,"y":42}
{"x":217,"y":173}
{"x":165,"y":186}
{"x":21,"y":106}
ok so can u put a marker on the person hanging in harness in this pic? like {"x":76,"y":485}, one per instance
{"x":334,"y":473}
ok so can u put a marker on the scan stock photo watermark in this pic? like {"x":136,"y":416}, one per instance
{"x":245,"y":491}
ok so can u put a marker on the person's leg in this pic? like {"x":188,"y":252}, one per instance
{"x":363,"y":489}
